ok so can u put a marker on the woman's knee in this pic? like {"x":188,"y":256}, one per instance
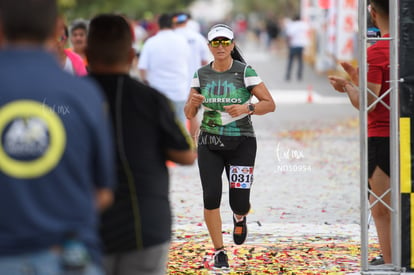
{"x":240,"y":207}
{"x":211,"y":202}
{"x":240,"y":201}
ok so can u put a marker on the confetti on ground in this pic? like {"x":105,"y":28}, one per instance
{"x":311,"y":255}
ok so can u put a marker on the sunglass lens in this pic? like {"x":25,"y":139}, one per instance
{"x":215,"y":43}
{"x":224,"y":43}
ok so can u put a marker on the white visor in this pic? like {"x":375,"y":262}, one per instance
{"x":220,"y":31}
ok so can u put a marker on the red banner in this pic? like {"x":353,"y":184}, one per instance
{"x":324,"y":4}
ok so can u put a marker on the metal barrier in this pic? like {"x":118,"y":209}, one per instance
{"x":395,"y":267}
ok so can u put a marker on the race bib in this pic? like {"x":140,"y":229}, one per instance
{"x":241,"y":177}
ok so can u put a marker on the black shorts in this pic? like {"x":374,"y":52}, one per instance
{"x":378,"y":154}
{"x":213,"y":160}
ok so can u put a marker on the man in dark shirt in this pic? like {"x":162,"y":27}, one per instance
{"x":56,"y":151}
{"x":136,"y":230}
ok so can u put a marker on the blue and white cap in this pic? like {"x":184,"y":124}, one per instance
{"x":220,"y":30}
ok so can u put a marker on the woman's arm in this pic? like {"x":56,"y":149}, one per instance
{"x":264,"y":106}
{"x":266,"y":103}
{"x":193,"y":103}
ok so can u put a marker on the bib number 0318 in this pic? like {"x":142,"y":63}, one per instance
{"x":241,"y":177}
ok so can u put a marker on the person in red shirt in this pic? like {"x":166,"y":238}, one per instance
{"x":378,"y":77}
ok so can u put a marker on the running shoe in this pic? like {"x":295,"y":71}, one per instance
{"x":379,"y":260}
{"x":220,"y":259}
{"x":239,"y":231}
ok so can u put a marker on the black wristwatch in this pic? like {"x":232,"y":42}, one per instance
{"x":251,"y":108}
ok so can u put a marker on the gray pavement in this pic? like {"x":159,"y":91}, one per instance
{"x":271,"y":66}
{"x":307,"y":167}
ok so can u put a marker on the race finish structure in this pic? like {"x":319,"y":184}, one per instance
{"x":406,"y":61}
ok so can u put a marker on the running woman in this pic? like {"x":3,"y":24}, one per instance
{"x":227,"y":141}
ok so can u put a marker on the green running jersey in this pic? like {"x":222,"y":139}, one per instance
{"x":222,"y":89}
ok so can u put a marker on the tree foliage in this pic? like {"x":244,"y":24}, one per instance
{"x":267,"y":7}
{"x":143,"y":8}
{"x":131,"y":8}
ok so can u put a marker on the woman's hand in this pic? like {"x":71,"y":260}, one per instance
{"x":236,"y":109}
{"x":193,"y":102}
{"x":196,"y":100}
